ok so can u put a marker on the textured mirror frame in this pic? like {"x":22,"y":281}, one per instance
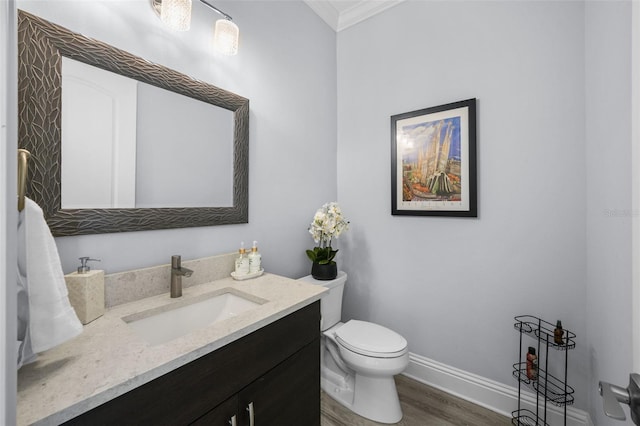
{"x":41,"y":45}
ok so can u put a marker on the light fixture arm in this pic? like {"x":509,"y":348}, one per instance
{"x":224,"y":15}
{"x":156,"y":4}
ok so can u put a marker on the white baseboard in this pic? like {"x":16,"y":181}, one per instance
{"x":487,"y":393}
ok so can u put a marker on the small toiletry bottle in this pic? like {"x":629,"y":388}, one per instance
{"x":255,"y":259}
{"x":558,"y":333}
{"x":532,"y":364}
{"x":242,"y":262}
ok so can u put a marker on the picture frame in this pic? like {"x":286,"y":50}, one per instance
{"x":433,"y":161}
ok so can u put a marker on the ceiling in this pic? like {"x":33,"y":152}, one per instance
{"x":341,"y":14}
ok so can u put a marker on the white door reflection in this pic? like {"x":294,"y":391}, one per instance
{"x":99,"y":138}
{"x":128,"y":144}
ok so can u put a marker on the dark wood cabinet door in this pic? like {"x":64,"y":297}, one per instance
{"x":288,"y":395}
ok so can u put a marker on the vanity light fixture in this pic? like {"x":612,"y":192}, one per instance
{"x":225,"y":37}
{"x":176,"y":14}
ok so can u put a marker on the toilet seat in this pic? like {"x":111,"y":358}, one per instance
{"x":369,"y":339}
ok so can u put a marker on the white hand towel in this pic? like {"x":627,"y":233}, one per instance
{"x":25,"y":353}
{"x":52,"y":319}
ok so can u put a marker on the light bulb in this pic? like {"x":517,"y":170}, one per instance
{"x":225,"y":38}
{"x":176,"y":14}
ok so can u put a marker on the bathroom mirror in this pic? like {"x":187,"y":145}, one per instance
{"x":42,"y":47}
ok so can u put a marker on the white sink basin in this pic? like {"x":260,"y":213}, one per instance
{"x":165,"y":323}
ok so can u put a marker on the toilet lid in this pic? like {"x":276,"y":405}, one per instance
{"x":371,"y":339}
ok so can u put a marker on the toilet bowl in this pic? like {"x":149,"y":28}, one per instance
{"x":359,"y":359}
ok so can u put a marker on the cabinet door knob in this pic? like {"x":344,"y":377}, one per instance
{"x":233,"y":421}
{"x":251,"y":414}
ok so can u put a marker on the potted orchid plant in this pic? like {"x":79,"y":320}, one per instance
{"x":328,"y":223}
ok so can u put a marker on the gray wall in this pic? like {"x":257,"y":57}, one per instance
{"x":286,"y":67}
{"x":608,"y":207}
{"x":452,"y":286}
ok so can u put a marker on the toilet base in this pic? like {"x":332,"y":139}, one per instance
{"x":376,"y":398}
{"x":342,"y":393}
{"x":373,"y":398}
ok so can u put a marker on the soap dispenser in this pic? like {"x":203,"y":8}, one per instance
{"x":255,"y":259}
{"x":86,"y":291}
{"x":242,"y":261}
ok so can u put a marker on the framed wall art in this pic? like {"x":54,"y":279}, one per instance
{"x":433,"y":161}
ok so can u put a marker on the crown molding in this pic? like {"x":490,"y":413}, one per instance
{"x":326,"y":11}
{"x":363,"y":10}
{"x":342,"y":19}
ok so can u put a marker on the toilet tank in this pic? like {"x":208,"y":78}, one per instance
{"x":331,"y":302}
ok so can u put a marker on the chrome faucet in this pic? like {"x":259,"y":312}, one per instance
{"x":177,"y":272}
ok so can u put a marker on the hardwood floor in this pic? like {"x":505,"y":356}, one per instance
{"x":422,"y":405}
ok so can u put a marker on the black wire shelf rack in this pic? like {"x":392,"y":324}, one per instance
{"x":548,"y":388}
{"x":553,"y":389}
{"x":543,"y":330}
{"x":524,"y":417}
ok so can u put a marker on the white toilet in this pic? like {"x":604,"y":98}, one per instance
{"x":359,"y":359}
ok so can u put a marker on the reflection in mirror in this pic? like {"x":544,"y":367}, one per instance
{"x":98,"y":138}
{"x":127,"y":144}
{"x":132,"y":133}
{"x":176,"y":165}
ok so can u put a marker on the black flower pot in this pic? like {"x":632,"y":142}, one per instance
{"x":324,"y":272}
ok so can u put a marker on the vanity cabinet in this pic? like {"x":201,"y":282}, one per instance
{"x":274,"y":370}
{"x":275,"y":398}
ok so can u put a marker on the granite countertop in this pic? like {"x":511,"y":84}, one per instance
{"x":108,"y":359}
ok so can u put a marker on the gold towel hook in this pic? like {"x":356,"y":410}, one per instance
{"x":23,"y":168}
